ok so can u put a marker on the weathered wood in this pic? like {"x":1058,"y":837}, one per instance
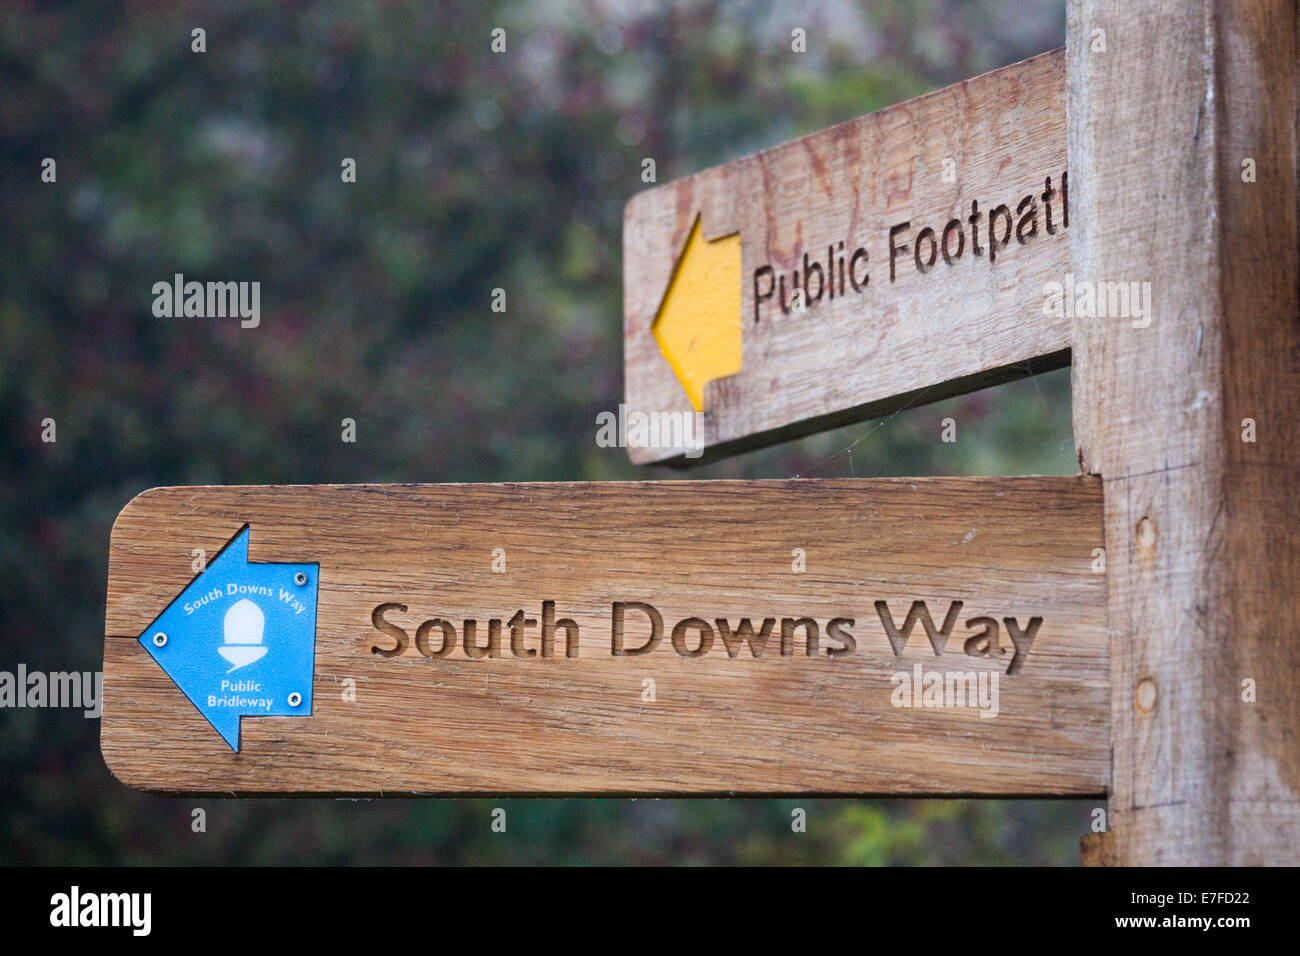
{"x":1097,"y":849}
{"x":779,"y":723}
{"x":993,"y":140}
{"x":1203,"y":544}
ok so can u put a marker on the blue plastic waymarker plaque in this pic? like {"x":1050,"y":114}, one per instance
{"x":241,"y":639}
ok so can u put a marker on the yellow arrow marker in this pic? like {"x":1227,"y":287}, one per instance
{"x":698,"y":323}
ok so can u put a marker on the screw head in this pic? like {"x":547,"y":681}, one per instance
{"x":160,"y":639}
{"x":295,"y":699}
{"x":300,"y":578}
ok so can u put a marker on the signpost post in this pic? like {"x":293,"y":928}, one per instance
{"x":935,"y":636}
{"x":1182,"y":139}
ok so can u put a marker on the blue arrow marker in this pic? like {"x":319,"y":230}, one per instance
{"x":241,"y":639}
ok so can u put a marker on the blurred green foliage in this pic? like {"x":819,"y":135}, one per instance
{"x":475,"y":171}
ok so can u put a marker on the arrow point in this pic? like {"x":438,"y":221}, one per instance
{"x":698,"y":322}
{"x":259,"y":617}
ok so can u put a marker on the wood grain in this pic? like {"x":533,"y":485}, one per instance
{"x":1018,"y":547}
{"x":1201,"y":530}
{"x":919,"y":338}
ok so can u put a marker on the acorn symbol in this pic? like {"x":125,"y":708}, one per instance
{"x":243,"y":627}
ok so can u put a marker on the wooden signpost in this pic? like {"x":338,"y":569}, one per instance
{"x":625,"y":637}
{"x":935,"y":636}
{"x":893,"y":259}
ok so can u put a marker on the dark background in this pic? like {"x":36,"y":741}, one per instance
{"x":475,"y":171}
